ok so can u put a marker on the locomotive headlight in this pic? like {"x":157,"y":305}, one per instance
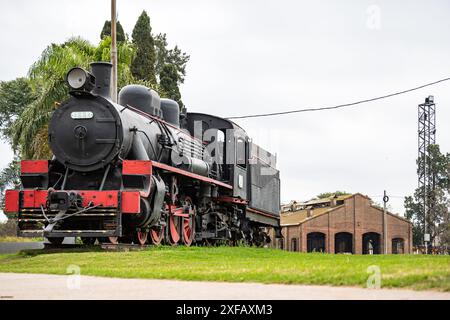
{"x":80,"y":79}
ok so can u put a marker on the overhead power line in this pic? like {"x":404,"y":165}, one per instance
{"x":338,"y":106}
{"x":381,"y":195}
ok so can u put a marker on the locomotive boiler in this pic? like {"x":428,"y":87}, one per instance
{"x":139,"y":171}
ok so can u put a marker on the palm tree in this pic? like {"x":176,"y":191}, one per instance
{"x":47,"y":78}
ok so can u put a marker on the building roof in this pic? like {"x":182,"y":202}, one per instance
{"x":297,"y":217}
{"x":392,"y":214}
{"x":300,"y":212}
{"x":327,"y":200}
{"x":317,"y":201}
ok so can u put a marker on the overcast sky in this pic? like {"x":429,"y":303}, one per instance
{"x":250,"y":56}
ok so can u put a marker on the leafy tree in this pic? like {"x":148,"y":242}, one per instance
{"x":143,"y":64}
{"x":106,"y":31}
{"x":47,"y":75}
{"x":169,"y":84}
{"x":438,"y":220}
{"x":26,"y":105}
{"x":331,"y":194}
{"x":170,"y":56}
{"x":8,"y":228}
{"x":15,"y":96}
{"x":48,"y":80}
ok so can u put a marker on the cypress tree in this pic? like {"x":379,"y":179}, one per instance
{"x":106,"y":31}
{"x":168,"y":83}
{"x":143,"y":64}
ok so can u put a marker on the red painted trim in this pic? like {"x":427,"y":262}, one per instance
{"x":178,"y":212}
{"x":109,"y":199}
{"x":232,"y":200}
{"x":34,"y":198}
{"x":184,"y":215}
{"x":262,"y":213}
{"x":174,"y":210}
{"x":138,"y":167}
{"x":34,"y":166}
{"x":131,"y":202}
{"x":190,"y":174}
{"x":11,"y":201}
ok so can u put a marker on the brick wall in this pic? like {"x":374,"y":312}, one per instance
{"x":356,"y":217}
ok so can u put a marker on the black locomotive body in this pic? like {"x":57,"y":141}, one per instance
{"x":138,"y":171}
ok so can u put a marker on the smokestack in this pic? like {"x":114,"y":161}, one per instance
{"x":102,"y":74}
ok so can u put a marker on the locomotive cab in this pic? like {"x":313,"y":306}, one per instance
{"x":250,"y":169}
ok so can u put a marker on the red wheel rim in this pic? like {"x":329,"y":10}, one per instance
{"x":187,"y":232}
{"x":141,"y":237}
{"x":156,"y":235}
{"x":174,"y":235}
{"x":188,"y":223}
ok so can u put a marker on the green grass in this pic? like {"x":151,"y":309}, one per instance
{"x":240,"y":264}
{"x":20,"y":239}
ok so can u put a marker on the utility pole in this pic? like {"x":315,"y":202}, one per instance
{"x":385,"y":201}
{"x":113,"y":51}
{"x":427,"y":137}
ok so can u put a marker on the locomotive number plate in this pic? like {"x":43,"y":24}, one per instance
{"x":82,"y":115}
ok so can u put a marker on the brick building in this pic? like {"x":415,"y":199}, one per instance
{"x":344,"y":224}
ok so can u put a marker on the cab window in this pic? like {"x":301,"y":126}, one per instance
{"x":241,"y":153}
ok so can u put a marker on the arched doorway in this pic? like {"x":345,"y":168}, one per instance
{"x":343,"y":242}
{"x":294,"y":244}
{"x":316,"y":242}
{"x":371,"y":243}
{"x":398,"y":246}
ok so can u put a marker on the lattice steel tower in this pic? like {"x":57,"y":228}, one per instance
{"x":427,"y":137}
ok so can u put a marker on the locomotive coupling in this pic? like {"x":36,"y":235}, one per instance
{"x":64,"y":200}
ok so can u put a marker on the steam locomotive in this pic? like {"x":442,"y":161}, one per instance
{"x":140,"y":171}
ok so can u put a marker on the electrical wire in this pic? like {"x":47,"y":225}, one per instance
{"x":390,"y":196}
{"x":340,"y":105}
